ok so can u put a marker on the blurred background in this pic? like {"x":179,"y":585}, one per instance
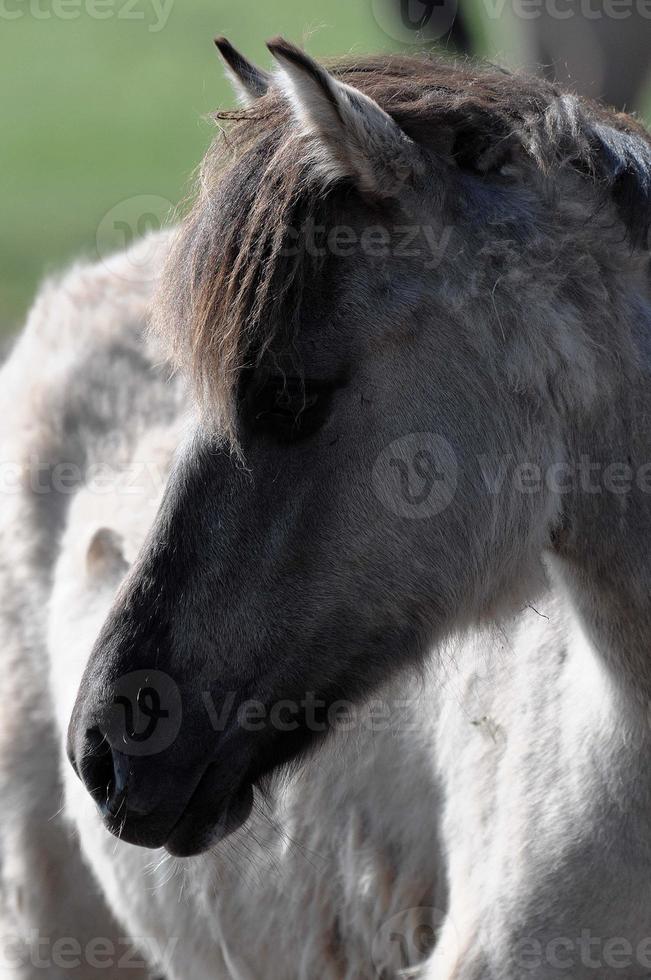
{"x":104,"y":101}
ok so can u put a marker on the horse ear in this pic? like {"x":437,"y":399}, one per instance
{"x":356,"y":138}
{"x":105,"y":555}
{"x":250,"y":83}
{"x":624,"y":164}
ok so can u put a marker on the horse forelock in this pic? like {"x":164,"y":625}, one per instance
{"x":237,"y":270}
{"x":235,"y":273}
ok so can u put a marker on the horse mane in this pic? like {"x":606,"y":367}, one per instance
{"x":235,"y":275}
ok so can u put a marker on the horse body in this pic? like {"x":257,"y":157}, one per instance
{"x":546,"y":822}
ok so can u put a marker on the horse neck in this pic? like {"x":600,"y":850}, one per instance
{"x":604,"y":548}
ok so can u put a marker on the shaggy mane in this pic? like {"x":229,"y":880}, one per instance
{"x":235,"y":274}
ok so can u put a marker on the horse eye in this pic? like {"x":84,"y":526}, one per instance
{"x":288,"y":408}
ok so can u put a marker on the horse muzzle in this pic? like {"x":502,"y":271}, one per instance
{"x":157,"y":770}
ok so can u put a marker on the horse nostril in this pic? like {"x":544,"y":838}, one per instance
{"x":104,"y":772}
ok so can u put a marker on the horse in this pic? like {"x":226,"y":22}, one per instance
{"x":332,"y":370}
{"x":330,"y":858}
{"x":308,"y":366}
{"x":395,"y":448}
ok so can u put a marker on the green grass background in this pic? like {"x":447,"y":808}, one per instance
{"x":96,"y":111}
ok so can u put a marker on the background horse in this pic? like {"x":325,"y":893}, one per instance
{"x":75,"y":393}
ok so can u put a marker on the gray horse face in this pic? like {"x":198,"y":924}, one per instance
{"x":367,"y":513}
{"x":356,"y":533}
{"x":273,"y":589}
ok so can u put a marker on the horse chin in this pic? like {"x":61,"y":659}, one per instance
{"x":215,"y":809}
{"x":200,"y":829}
